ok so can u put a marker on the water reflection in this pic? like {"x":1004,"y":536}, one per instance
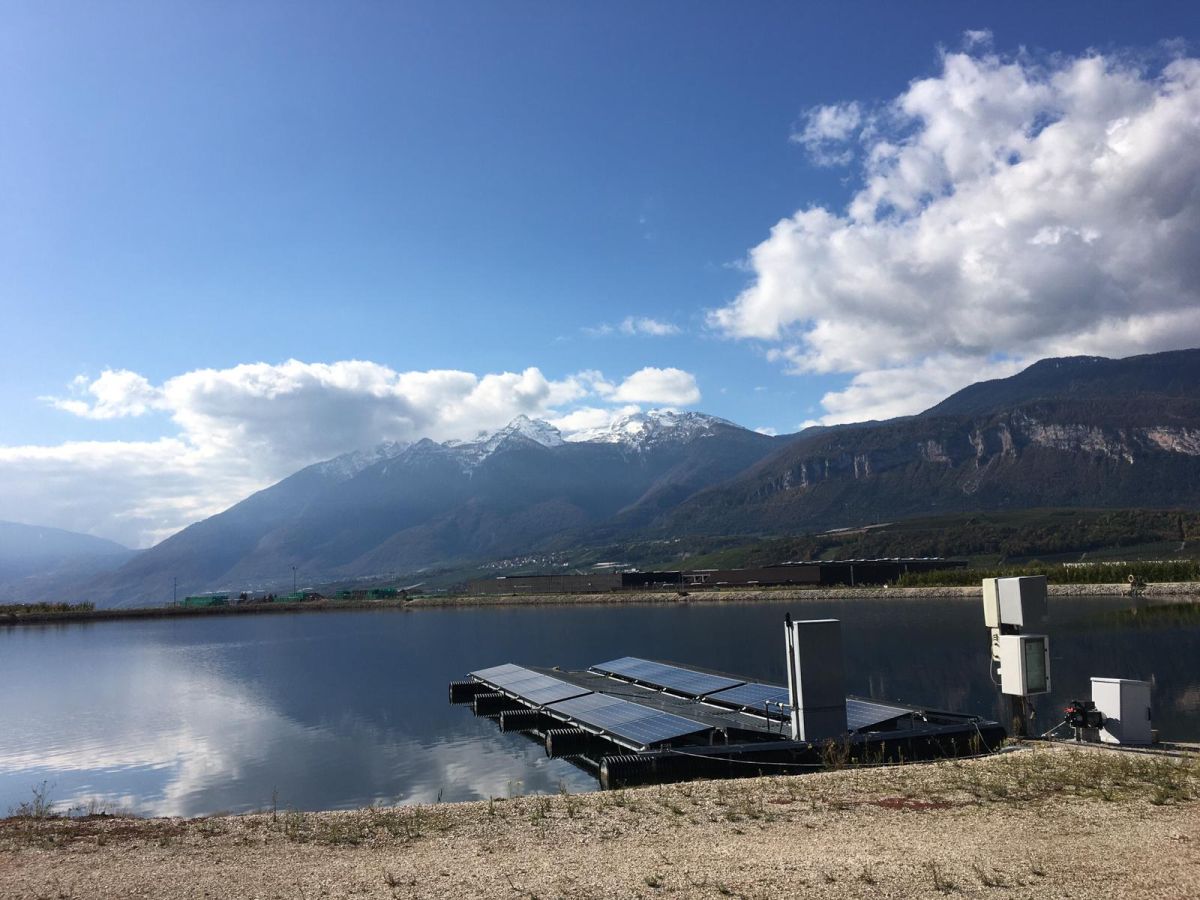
{"x":341,"y":710}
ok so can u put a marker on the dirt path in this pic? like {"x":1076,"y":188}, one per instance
{"x":1045,"y":823}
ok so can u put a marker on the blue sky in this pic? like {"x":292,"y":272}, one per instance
{"x":490,"y":187}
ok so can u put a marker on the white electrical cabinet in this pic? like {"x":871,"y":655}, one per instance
{"x":1125,"y":704}
{"x":1024,"y":664}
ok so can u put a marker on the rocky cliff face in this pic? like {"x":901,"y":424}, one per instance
{"x":1027,"y":441}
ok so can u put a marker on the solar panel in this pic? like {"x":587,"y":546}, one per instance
{"x":497,"y":672}
{"x":752,"y":695}
{"x":862,"y":714}
{"x":673,"y":678}
{"x":632,"y":722}
{"x":533,"y":687}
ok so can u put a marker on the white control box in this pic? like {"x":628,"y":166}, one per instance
{"x":1024,"y":664}
{"x":1125,"y":704}
{"x":1022,"y":600}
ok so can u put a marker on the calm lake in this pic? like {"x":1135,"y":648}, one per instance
{"x":339,"y":710}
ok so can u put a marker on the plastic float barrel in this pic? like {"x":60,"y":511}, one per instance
{"x":568,"y":742}
{"x":523,"y":720}
{"x":632,"y":769}
{"x":627,"y":770}
{"x":492,"y":704}
{"x":465,"y":691}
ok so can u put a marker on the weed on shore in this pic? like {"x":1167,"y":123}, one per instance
{"x":1037,"y":774}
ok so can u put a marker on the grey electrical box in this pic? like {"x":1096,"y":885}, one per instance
{"x":1125,"y":704}
{"x":1022,"y":600}
{"x":816,"y":679}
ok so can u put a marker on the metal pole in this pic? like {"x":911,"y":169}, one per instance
{"x":174,"y":590}
{"x":293,"y":579}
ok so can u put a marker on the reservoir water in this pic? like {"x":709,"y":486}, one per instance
{"x":339,"y":710}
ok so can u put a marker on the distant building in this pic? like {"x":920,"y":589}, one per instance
{"x":201,"y":601}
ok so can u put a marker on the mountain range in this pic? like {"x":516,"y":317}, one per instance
{"x":1079,"y":431}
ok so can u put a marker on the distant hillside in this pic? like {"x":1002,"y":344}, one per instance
{"x":38,"y":562}
{"x":1084,"y":432}
{"x":1065,"y":535}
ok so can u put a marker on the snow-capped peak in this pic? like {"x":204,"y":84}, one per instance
{"x":350,"y":464}
{"x":657,"y":426}
{"x":536,"y":430}
{"x":472,"y":453}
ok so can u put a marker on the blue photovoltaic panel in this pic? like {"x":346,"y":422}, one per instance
{"x":632,"y":722}
{"x":533,"y":687}
{"x":862,"y":714}
{"x":752,"y":695}
{"x":674,"y":678}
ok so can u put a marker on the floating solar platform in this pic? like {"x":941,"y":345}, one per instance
{"x":636,"y":721}
{"x":687,"y":682}
{"x":532,"y":687}
{"x":626,"y":722}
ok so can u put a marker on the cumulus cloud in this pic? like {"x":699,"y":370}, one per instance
{"x":239,"y":429}
{"x":667,"y":387}
{"x":1006,"y":209}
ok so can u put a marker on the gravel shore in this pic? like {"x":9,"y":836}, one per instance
{"x":1034,"y":823}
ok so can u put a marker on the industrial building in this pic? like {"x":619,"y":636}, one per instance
{"x":848,"y":572}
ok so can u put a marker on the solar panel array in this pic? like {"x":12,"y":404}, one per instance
{"x":862,"y":714}
{"x":645,"y":727}
{"x":752,"y":695}
{"x":688,"y":682}
{"x":637,"y":724}
{"x":530,"y":686}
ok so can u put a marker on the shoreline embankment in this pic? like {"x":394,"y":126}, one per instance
{"x":1159,"y":591}
{"x":1052,"y":822}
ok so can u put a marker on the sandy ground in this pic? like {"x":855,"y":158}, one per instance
{"x":1041,"y":823}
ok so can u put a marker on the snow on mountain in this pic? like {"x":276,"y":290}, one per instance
{"x":657,"y":426}
{"x":346,"y":466}
{"x":522,"y":428}
{"x":637,"y":431}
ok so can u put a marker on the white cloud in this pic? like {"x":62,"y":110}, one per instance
{"x":113,"y":395}
{"x":643,"y":325}
{"x":826,"y":132}
{"x":668,"y":387}
{"x":634,"y":326}
{"x":1008,"y":209}
{"x":240,"y":429}
{"x":769,"y":432}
